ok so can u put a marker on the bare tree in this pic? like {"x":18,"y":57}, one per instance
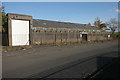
{"x":113,"y":24}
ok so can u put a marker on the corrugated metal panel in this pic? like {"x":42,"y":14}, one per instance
{"x":46,"y":23}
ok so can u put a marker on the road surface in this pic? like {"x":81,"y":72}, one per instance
{"x":33,"y":62}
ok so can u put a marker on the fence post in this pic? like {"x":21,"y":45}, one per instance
{"x":65,"y":36}
{"x":55,"y":36}
{"x":61,"y":36}
{"x":77,"y":36}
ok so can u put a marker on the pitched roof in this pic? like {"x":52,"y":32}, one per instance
{"x":46,"y":23}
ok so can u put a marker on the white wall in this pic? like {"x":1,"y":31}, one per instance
{"x":20,"y":32}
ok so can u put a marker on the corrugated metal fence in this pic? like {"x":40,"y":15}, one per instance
{"x":48,"y":37}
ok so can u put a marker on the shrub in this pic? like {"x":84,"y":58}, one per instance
{"x":117,"y":34}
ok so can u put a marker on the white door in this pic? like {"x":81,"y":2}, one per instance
{"x":20,"y":32}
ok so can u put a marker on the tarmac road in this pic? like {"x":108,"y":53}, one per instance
{"x":26,"y":63}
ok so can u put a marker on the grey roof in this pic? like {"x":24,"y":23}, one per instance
{"x":46,"y":23}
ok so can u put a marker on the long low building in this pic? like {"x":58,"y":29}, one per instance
{"x":23,"y":30}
